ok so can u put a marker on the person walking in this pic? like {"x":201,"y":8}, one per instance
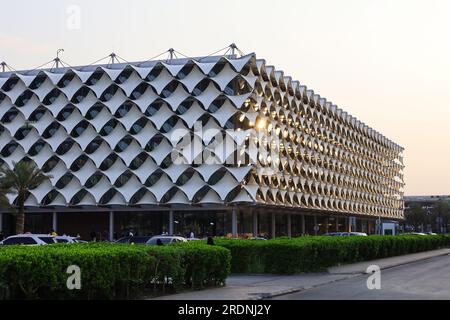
{"x":93,"y":235}
{"x":105,"y":236}
{"x":159,"y":242}
{"x":210,"y":241}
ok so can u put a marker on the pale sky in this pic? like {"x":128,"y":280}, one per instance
{"x":385,"y":62}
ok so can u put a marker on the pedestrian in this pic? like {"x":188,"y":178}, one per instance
{"x":159,"y":242}
{"x":105,"y":236}
{"x":93,"y":235}
{"x":210,"y":241}
{"x":192,"y":236}
{"x":53,"y":233}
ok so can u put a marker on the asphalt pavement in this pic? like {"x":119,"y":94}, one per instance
{"x":422,"y":280}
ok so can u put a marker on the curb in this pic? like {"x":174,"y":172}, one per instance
{"x":265,"y":296}
{"x":349,"y":275}
{"x":392,"y":265}
{"x":416,"y":260}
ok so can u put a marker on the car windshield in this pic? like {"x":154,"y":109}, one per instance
{"x":139,"y":239}
{"x":163,"y":240}
{"x":19,"y":240}
{"x":47,"y":240}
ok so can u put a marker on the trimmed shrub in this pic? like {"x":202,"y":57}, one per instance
{"x":108,"y":271}
{"x":205,"y":265}
{"x":309,"y":254}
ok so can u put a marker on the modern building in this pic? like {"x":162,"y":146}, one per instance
{"x":219,"y":144}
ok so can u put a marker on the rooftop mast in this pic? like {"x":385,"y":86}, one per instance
{"x":57,"y":59}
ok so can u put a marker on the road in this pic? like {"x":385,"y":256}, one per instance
{"x":427,"y":279}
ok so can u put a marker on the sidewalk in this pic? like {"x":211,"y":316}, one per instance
{"x":256,"y":286}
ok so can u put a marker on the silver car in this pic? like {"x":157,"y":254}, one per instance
{"x":66,"y":239}
{"x":28,"y":239}
{"x":165,"y":240}
{"x":345,"y":234}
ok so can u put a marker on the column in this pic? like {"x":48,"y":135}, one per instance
{"x":337,"y":224}
{"x":111,"y":226}
{"x":55,"y":221}
{"x":234,"y":229}
{"x":255,"y":223}
{"x":273,"y":225}
{"x":303,"y":225}
{"x":289,"y":227}
{"x":171,"y":222}
{"x":315,"y":225}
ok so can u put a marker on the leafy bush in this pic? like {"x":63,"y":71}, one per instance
{"x":205,"y":265}
{"x":308,"y":254}
{"x":108,"y":271}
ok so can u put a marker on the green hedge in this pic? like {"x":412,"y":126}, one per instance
{"x":109,"y":271}
{"x":309,"y":254}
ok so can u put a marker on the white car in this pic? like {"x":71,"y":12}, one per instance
{"x":66,"y":239}
{"x":28,"y":239}
{"x":165,"y":240}
{"x":360,"y":234}
{"x":345,"y":234}
{"x":193,"y":239}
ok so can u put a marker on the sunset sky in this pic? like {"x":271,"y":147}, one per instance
{"x":385,"y":62}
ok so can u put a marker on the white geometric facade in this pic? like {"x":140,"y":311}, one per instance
{"x":108,"y":135}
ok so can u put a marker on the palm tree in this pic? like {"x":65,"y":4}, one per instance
{"x":4,"y":202}
{"x":24,"y":176}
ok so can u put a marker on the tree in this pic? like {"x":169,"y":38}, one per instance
{"x":4,"y":202}
{"x":415,"y":216}
{"x":441,"y":215}
{"x":24,"y":176}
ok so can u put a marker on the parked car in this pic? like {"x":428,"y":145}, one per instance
{"x":166,"y":240}
{"x":415,"y":233}
{"x":192,"y":239}
{"x":346,"y":234}
{"x":359,"y":234}
{"x":67,"y":239}
{"x":257,"y":238}
{"x":134,"y":240}
{"x":29,"y":239}
{"x":336,"y":234}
